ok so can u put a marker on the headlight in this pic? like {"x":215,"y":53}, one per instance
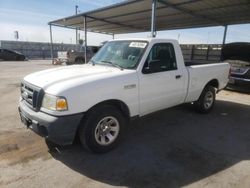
{"x":51,"y":102}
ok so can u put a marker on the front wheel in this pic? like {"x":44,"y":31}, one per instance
{"x":102,"y":129}
{"x":206,"y":101}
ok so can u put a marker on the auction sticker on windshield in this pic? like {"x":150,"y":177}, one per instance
{"x":138,"y":44}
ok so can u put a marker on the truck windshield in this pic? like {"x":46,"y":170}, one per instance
{"x":124,"y":54}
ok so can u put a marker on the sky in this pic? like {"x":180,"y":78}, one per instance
{"x":30,"y":18}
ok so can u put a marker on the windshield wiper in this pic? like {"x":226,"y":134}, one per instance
{"x":113,"y":64}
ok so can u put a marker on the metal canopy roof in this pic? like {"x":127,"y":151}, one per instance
{"x":135,"y":15}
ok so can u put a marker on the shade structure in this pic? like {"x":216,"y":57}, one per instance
{"x":135,"y":16}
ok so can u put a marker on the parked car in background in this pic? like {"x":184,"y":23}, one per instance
{"x":74,"y":57}
{"x":10,"y":55}
{"x":238,"y":56}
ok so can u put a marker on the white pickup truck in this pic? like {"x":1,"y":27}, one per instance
{"x":127,"y":78}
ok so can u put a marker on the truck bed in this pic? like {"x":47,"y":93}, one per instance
{"x":190,"y":63}
{"x":201,"y":74}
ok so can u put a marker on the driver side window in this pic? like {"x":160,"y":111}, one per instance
{"x":161,"y":58}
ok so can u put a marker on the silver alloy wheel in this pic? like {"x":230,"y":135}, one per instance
{"x":107,"y":130}
{"x":208,"y":100}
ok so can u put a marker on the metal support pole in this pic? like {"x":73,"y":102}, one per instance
{"x":153,"y":18}
{"x":51,"y":42}
{"x":85,"y":38}
{"x":192,"y":52}
{"x":208,"y":50}
{"x":225,"y":35}
{"x":113,"y":36}
{"x":76,"y":7}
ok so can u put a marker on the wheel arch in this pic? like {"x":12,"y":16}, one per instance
{"x":122,"y":106}
{"x":214,"y":82}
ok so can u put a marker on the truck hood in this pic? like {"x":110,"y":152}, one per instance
{"x":86,"y":72}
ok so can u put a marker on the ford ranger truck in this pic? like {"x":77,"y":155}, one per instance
{"x":127,"y":78}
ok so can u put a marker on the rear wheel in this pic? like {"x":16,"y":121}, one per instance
{"x":206,"y":101}
{"x":102,"y":129}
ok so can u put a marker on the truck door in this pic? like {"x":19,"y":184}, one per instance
{"x":161,"y":82}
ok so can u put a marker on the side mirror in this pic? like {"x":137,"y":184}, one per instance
{"x":153,"y":66}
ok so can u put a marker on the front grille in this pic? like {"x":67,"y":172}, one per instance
{"x":32,"y":95}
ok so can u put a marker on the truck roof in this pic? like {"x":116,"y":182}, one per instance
{"x":149,"y":39}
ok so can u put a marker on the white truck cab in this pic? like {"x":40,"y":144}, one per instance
{"x":126,"y":78}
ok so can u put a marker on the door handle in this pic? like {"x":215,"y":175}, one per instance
{"x":178,"y":76}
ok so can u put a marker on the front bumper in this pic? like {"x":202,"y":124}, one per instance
{"x":58,"y":129}
{"x":239,"y":81}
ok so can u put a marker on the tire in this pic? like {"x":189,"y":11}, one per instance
{"x":79,"y":61}
{"x":68,"y":63}
{"x":206,"y":101}
{"x":20,"y":58}
{"x":51,"y":146}
{"x":102,"y":129}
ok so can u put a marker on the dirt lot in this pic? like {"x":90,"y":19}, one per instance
{"x":172,"y":148}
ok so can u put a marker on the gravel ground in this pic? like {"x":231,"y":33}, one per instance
{"x":172,"y":148}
